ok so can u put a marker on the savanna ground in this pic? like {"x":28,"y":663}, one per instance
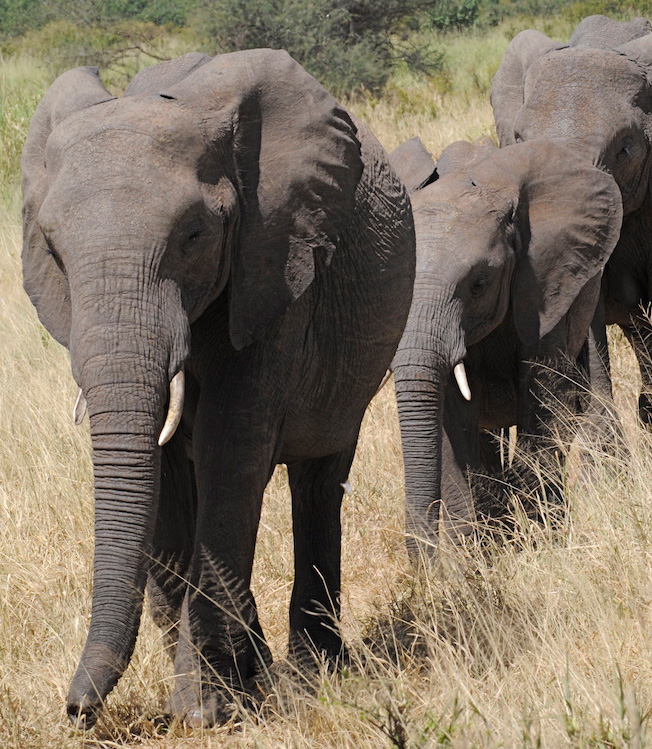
{"x":540,"y":642}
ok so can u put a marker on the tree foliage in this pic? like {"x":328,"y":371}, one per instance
{"x":349,"y":45}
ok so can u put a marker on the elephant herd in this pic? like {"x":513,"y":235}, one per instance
{"x":234,"y":262}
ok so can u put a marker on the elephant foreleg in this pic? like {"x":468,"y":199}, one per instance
{"x":317,"y":489}
{"x":173,"y":539}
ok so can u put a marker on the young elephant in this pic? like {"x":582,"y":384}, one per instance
{"x":224,"y":233}
{"x":509,"y":262}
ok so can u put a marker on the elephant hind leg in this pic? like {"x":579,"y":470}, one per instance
{"x":317,"y":487}
{"x":174,"y":539}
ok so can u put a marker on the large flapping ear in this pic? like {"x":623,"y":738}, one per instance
{"x":156,"y":78}
{"x":507,"y":91}
{"x":296,"y":160}
{"x":413,"y":164}
{"x":603,"y":32}
{"x":43,"y":280}
{"x":568,"y":222}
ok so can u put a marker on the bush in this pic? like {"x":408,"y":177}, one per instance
{"x":19,"y":16}
{"x":454,"y":14}
{"x":348,"y":45}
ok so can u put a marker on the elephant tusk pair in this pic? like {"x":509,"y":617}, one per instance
{"x":462,"y":382}
{"x":175,"y":408}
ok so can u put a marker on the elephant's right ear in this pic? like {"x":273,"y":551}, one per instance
{"x":294,"y":156}
{"x":43,"y":279}
{"x":507,"y":91}
{"x":413,"y":164}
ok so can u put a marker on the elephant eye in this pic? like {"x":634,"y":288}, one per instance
{"x":479,"y":285}
{"x":625,"y":150}
{"x":518,"y":138}
{"x":193,"y":233}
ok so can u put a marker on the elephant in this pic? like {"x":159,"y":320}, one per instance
{"x":597,"y":91}
{"x":509,"y":262}
{"x":229,"y":259}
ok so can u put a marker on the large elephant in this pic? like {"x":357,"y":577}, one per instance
{"x":597,"y":90}
{"x":509,"y":262}
{"x":226,"y":222}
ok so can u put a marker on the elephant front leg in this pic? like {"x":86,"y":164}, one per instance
{"x":174,"y":539}
{"x":317,"y":489}
{"x":221,"y":651}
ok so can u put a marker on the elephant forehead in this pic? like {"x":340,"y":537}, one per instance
{"x":464,"y":213}
{"x":139,"y":128}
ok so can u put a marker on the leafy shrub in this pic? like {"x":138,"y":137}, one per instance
{"x":454,"y":14}
{"x":19,"y":16}
{"x":349,"y":45}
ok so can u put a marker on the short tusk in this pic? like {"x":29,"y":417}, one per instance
{"x":79,"y":411}
{"x":462,"y":382}
{"x":386,"y":377}
{"x":175,"y":409}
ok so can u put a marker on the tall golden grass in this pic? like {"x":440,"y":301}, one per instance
{"x":544,"y":642}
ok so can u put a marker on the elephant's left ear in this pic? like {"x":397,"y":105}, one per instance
{"x":296,"y":164}
{"x":568,"y":222}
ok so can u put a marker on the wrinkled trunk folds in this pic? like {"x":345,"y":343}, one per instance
{"x":123,"y":365}
{"x":431,"y":346}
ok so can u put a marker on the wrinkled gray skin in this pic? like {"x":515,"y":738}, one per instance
{"x":597,"y":91}
{"x":509,"y":261}
{"x":226,"y":218}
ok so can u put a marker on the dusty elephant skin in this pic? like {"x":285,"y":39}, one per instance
{"x":597,"y":90}
{"x":227,"y":220}
{"x":509,"y":262}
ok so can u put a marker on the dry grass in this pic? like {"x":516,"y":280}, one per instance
{"x":544,"y":644}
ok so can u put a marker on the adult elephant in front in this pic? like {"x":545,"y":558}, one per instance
{"x":224,"y":233}
{"x":596,"y":90}
{"x":509,"y":263}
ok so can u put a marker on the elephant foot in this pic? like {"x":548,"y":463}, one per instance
{"x":309,"y":650}
{"x":206,"y":704}
{"x":200,"y":706}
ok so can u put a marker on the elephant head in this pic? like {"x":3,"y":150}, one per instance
{"x":210,"y":179}
{"x":499,"y":237}
{"x":596,"y":90}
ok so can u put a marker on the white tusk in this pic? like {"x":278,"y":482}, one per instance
{"x":79,"y":411}
{"x":462,"y":382}
{"x":386,"y":377}
{"x":175,"y":409}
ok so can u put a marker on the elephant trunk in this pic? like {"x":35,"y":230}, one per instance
{"x":124,"y":366}
{"x":431,"y":347}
